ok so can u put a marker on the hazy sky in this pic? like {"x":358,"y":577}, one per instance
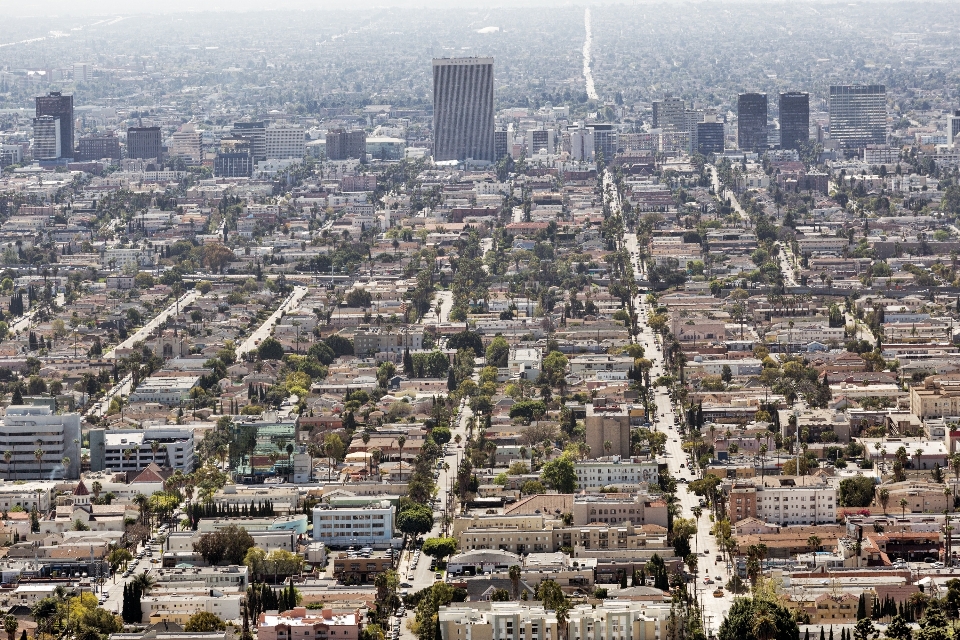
{"x":126,"y":7}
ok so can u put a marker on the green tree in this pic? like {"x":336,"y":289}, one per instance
{"x":856,"y":492}
{"x":204,"y":622}
{"x":228,"y":544}
{"x":270,"y":349}
{"x":554,"y":369}
{"x":497,"y":352}
{"x":865,"y":630}
{"x":560,"y":474}
{"x":739,"y":623}
{"x":416,"y":519}
{"x":898,"y":629}
{"x":683,"y":529}
{"x":439,"y":548}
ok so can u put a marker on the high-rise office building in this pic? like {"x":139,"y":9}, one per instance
{"x":47,"y":138}
{"x":669,"y":113}
{"x":539,"y":140}
{"x":144,"y":142}
{"x":953,"y":127}
{"x":604,"y":141}
{"x":256,"y":133}
{"x":709,"y":137}
{"x":582,"y":144}
{"x":752,"y":121}
{"x":234,"y":159}
{"x":25,"y":429}
{"x":794,"y":119}
{"x":59,"y":106}
{"x":286,"y":141}
{"x":858,"y":115}
{"x":500,"y":147}
{"x":344,"y":145}
{"x":463,"y":109}
{"x":187,"y":144}
{"x":98,"y":146}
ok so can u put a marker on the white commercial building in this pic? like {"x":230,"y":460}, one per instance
{"x":168,"y":390}
{"x":524,"y":363}
{"x":596,"y":474}
{"x":134,"y":449}
{"x":119,"y":259}
{"x":353,"y":526}
{"x":173,"y":607}
{"x":26,"y":429}
{"x":285,"y":141}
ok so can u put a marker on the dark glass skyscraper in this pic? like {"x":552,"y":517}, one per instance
{"x":709,"y":137}
{"x":144,"y":142}
{"x":463,"y":109}
{"x":59,"y":106}
{"x":794,"y":119}
{"x":752,"y":121}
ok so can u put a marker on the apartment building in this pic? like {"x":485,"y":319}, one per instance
{"x":603,"y":472}
{"x":608,"y":429}
{"x":312,"y":625}
{"x":349,"y":526}
{"x":501,"y":621}
{"x":617,"y":620}
{"x":553,"y":538}
{"x":937,"y":397}
{"x":178,"y":608}
{"x":229,"y":578}
{"x":613,"y":508}
{"x":784,"y":500}
{"x":371,"y":340}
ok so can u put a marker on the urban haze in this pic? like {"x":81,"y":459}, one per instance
{"x":479,"y":321}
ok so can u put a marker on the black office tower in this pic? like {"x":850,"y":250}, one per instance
{"x":709,"y":137}
{"x":463,"y":109}
{"x":144,"y":143}
{"x":500,"y":146}
{"x":752,"y":121}
{"x":794,"y":119}
{"x":59,"y":106}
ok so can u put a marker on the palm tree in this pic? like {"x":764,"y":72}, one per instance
{"x":955,"y":463}
{"x":515,"y":581}
{"x":401,"y":440}
{"x":145,"y":581}
{"x":562,"y":621}
{"x":8,"y":458}
{"x":883,"y":497}
{"x":143,"y":503}
{"x":10,"y":625}
{"x":96,"y":487}
{"x":814,"y":542}
{"x":697,"y":512}
{"x":764,"y":626}
{"x":903,"y":507}
{"x":154,"y":447}
{"x":607,"y":446}
{"x":38,"y":454}
{"x":918,"y":453}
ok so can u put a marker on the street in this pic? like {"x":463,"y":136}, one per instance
{"x":664,"y":419}
{"x":266,"y":329}
{"x":151,"y":326}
